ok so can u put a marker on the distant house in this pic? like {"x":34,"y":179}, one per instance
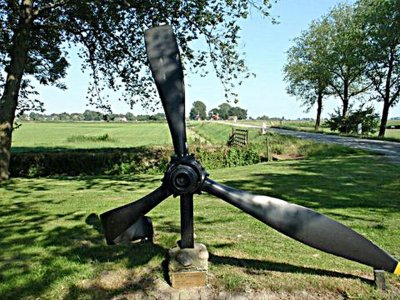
{"x":120,"y":119}
{"x":215,"y":117}
{"x":232,"y":118}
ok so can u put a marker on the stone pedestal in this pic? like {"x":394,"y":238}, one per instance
{"x":188,"y":267}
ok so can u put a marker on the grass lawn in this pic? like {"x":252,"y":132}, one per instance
{"x":52,"y":247}
{"x":72,"y":135}
{"x":393,"y":133}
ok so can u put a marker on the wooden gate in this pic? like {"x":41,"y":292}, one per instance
{"x":238,"y":137}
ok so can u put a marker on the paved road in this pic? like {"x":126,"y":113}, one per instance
{"x":389,"y":149}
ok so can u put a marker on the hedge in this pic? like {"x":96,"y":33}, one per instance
{"x":119,"y":161}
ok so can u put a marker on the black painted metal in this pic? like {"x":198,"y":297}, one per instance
{"x":185,"y":176}
{"x":119,"y":219}
{"x":305,"y":225}
{"x":187,"y":228}
{"x":165,"y":64}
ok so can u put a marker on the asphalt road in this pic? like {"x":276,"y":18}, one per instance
{"x":391,"y":150}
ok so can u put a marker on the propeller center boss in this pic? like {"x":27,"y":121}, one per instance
{"x":185,"y":175}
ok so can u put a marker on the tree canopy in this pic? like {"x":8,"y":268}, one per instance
{"x":199,"y":110}
{"x":356,"y":50}
{"x":305,"y":72}
{"x":225,"y":110}
{"x":344,"y":54}
{"x":36,"y":37}
{"x":381,"y":35}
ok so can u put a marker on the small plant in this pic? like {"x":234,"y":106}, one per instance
{"x":88,"y":138}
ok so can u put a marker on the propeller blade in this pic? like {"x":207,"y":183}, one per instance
{"x":165,"y":64}
{"x":119,"y":219}
{"x":306,"y":226}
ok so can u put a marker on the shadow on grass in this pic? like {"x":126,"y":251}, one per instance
{"x":61,"y":252}
{"x":37,"y":252}
{"x":351,"y":182}
{"x":44,"y":243}
{"x":109,"y":183}
{"x":41,"y":249}
{"x":253,"y":264}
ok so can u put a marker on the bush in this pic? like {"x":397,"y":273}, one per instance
{"x":84,"y":138}
{"x":368,"y":119}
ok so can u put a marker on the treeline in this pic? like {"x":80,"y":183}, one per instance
{"x":90,"y":115}
{"x":223,"y":112}
{"x":352,"y":54}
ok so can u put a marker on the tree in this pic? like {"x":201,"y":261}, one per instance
{"x":306,"y":70}
{"x":36,"y":36}
{"x":199,"y":109}
{"x":90,"y":115}
{"x":381,"y":28}
{"x":223,"y":110}
{"x":64,"y":116}
{"x":76,"y":117}
{"x":129,"y":116}
{"x":157,"y":117}
{"x":344,"y":56}
{"x":239,"y":112}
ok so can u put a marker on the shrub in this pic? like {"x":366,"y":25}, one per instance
{"x":87,"y":138}
{"x":368,"y":119}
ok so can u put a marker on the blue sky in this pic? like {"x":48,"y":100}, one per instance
{"x":265,"y":44}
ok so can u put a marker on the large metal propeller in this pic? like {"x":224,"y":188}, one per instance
{"x":185,"y":176}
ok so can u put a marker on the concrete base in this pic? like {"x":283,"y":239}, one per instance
{"x":188,"y":267}
{"x":379,"y":278}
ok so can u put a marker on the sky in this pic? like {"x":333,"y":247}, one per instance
{"x":265,"y":45}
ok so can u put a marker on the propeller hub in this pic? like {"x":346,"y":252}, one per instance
{"x":185,"y":175}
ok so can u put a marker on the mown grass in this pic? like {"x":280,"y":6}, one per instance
{"x":84,"y":135}
{"x":393,"y":133}
{"x":52,"y":247}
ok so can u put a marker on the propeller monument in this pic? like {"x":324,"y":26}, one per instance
{"x":186,"y":176}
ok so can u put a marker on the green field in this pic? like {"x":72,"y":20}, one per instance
{"x":86,"y":135}
{"x":52,"y":246}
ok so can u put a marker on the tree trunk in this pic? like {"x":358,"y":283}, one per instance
{"x":319,"y":111}
{"x":9,"y":99}
{"x":384,"y":118}
{"x":386,"y":99}
{"x":345,"y":99}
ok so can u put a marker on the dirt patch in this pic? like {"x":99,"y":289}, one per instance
{"x":132,"y":285}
